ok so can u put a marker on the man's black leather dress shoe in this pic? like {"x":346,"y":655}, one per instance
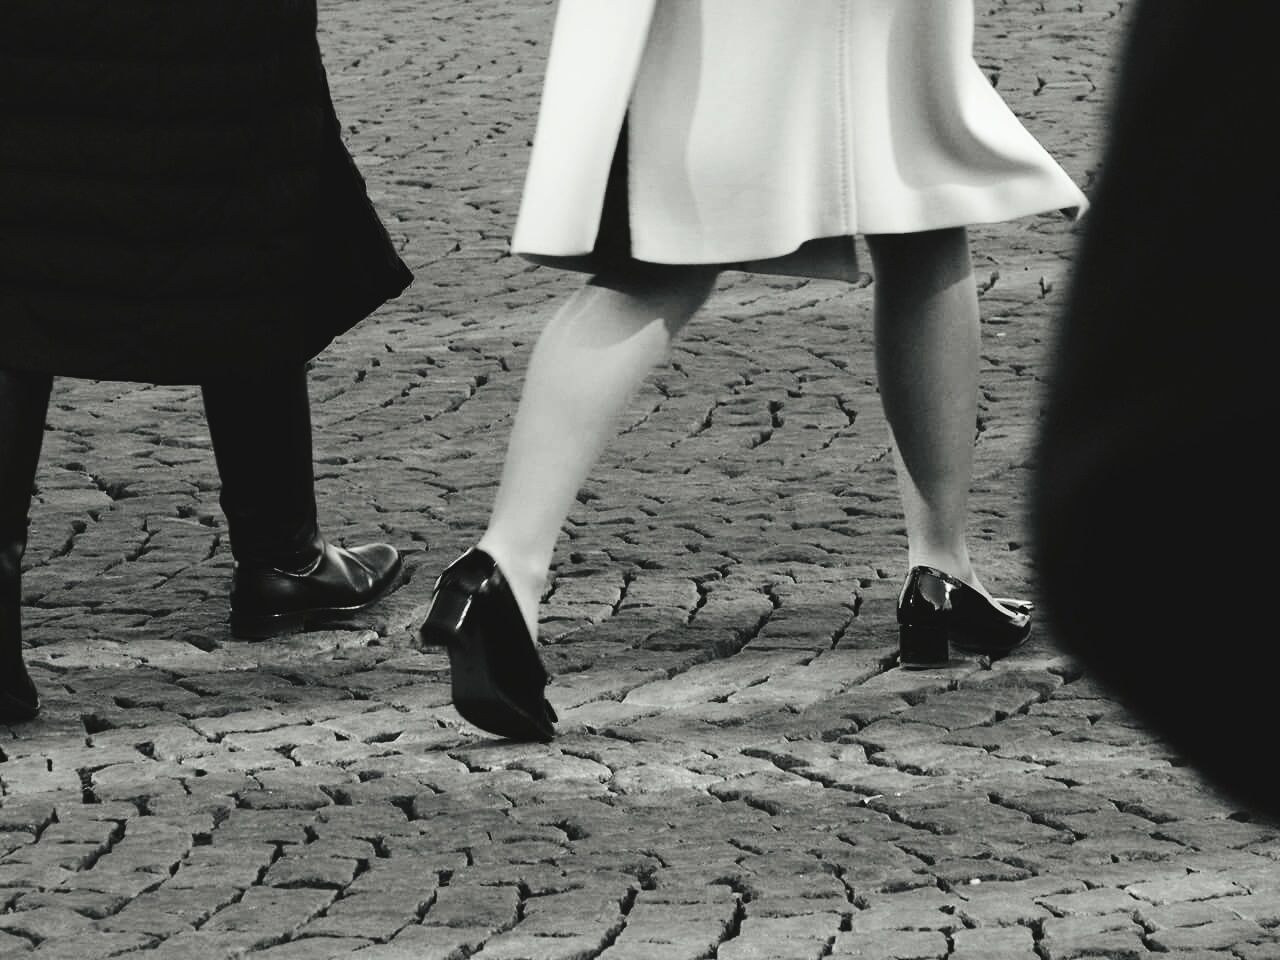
{"x":269,"y":602}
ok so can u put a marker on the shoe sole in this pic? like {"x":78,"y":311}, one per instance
{"x":269,"y":626}
{"x":954,"y":641}
{"x":959,"y":644}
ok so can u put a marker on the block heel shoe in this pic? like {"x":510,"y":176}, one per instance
{"x":497,"y":677}
{"x":937,"y":612}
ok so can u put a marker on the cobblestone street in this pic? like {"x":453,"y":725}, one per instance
{"x":742,"y":772}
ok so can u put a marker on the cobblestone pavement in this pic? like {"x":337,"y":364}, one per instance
{"x":741,"y":773}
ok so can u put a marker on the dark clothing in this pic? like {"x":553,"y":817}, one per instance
{"x":260,"y":429}
{"x":176,"y":203}
{"x":1153,"y":493}
{"x":261,"y":436}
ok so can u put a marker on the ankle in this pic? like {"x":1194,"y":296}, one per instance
{"x":956,"y":564}
{"x":294,"y":550}
{"x":526,"y":579}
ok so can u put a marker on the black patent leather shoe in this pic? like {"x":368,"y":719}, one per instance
{"x":497,"y":676}
{"x":269,"y":602}
{"x":936,"y":612}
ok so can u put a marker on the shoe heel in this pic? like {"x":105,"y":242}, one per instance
{"x":449,"y":609}
{"x":921,"y":647}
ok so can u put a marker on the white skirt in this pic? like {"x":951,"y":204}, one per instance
{"x":757,"y":126}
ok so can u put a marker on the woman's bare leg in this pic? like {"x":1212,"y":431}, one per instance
{"x":587,"y":364}
{"x":927,"y":339}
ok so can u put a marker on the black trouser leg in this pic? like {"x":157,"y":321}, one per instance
{"x":287,"y":577}
{"x":261,"y":433}
{"x":24,"y":402}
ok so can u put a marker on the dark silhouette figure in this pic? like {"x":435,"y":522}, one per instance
{"x":177,"y":206}
{"x":1154,"y":493}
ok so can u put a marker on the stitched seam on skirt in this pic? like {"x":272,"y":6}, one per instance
{"x":844,"y":125}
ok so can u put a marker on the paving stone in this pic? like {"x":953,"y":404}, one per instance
{"x":768,"y":937}
{"x":371,"y":821}
{"x":240,"y":864}
{"x":1008,"y":943}
{"x":217,"y":946}
{"x":520,"y":945}
{"x":705,"y":682}
{"x":1186,"y":914}
{"x":757,"y":949}
{"x":372,"y":916}
{"x":269,"y":912}
{"x":311,"y":871}
{"x":901,"y":916}
{"x":1190,"y":887}
{"x":426,"y":943}
{"x":164,"y":912}
{"x":414,"y":874}
{"x":263,"y":826}
{"x":1215,"y":935}
{"x":124,"y":883}
{"x":1112,"y":936}
{"x":890,"y":945}
{"x":473,"y":906}
{"x":92,"y":946}
{"x":942,"y":759}
{"x":315,"y":948}
{"x":1261,"y":908}
{"x":44,"y":923}
{"x":1102,"y":900}
{"x":90,"y":903}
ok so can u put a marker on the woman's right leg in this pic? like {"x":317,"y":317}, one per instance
{"x":926,"y":329}
{"x":587,"y":364}
{"x":926,"y":339}
{"x":24,"y":402}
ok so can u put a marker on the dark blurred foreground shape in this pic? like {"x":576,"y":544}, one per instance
{"x":1154,"y":499}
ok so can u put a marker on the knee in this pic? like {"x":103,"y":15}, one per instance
{"x":906,"y":256}
{"x":673,"y":290}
